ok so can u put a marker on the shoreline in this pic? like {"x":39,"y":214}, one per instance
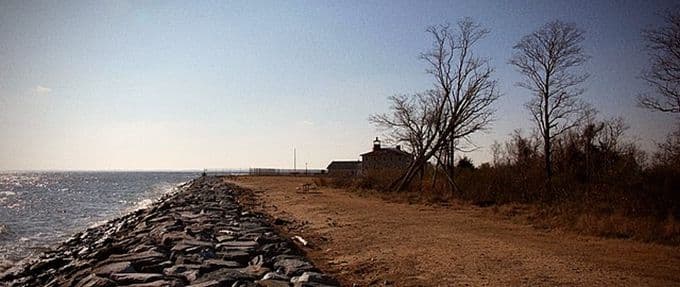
{"x":198,"y":234}
{"x":42,"y":209}
{"x":6,"y":264}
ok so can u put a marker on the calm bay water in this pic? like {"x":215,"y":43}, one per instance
{"x":38,"y":209}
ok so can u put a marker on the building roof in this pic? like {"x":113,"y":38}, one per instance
{"x":386,"y":151}
{"x":337,"y":164}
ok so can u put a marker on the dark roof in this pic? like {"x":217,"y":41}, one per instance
{"x":385,"y":151}
{"x":336,"y":164}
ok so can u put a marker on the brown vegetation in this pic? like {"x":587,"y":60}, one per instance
{"x":576,"y":171}
{"x":602,"y":184}
{"x":433,"y":123}
{"x":365,"y":240}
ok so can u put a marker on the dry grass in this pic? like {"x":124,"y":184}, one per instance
{"x":588,"y":222}
{"x":580,"y":212}
{"x":363,"y":239}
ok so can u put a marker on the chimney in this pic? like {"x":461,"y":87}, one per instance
{"x":376,"y":144}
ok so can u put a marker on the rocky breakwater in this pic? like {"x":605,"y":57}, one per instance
{"x":198,"y":236}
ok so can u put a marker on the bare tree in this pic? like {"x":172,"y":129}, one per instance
{"x":460,"y":103}
{"x":663,"y":75}
{"x":411,"y":120}
{"x":548,"y":59}
{"x":668,"y":153}
{"x":465,"y":83}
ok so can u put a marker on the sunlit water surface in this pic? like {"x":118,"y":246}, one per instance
{"x":38,"y":209}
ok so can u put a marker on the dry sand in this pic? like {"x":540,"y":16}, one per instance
{"x":368,"y":241}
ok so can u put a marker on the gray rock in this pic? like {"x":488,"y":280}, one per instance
{"x":242,"y":283}
{"x":46,"y":263}
{"x":146,"y":257}
{"x":211,"y":283}
{"x":314,"y":279}
{"x":292,"y":265}
{"x":221,"y":263}
{"x":158,"y":283}
{"x":249,"y":244}
{"x":116,"y":267}
{"x":191,"y":245}
{"x":94,"y":281}
{"x":227,"y":232}
{"x":226,"y":276}
{"x":225,"y":238}
{"x":236,"y":255}
{"x":199,"y":236}
{"x":127,"y":278}
{"x":189,"y":272}
{"x":275,"y":276}
{"x":273,"y":283}
{"x":169,"y":238}
{"x":154,"y":268}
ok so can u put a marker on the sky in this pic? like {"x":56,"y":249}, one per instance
{"x":159,"y":85}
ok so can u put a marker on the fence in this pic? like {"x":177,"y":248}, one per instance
{"x":265,"y":171}
{"x":277,"y":171}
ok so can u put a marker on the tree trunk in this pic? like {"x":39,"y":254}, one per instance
{"x":546,"y":137}
{"x":434,"y":176}
{"x":404,"y":180}
{"x":422,"y":177}
{"x":548,"y":160}
{"x":452,"y":166}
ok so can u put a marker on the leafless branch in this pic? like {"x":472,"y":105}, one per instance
{"x":663,"y":74}
{"x":460,"y":104}
{"x":549,"y":59}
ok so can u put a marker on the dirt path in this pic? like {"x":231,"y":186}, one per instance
{"x":369,"y":241}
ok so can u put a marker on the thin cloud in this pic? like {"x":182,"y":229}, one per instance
{"x":41,"y":90}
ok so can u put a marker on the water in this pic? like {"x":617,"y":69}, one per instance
{"x":38,"y":209}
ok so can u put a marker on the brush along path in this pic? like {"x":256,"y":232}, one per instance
{"x":198,"y":236}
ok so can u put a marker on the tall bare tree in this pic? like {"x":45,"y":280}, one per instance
{"x":549,"y":60}
{"x":663,"y":75}
{"x":460,"y":103}
{"x":465,"y":83}
{"x":411,"y":121}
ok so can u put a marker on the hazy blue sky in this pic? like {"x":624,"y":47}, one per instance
{"x":193,"y":84}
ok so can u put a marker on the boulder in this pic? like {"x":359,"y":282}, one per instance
{"x":128,"y":278}
{"x":211,"y":283}
{"x":116,"y":267}
{"x":146,"y":257}
{"x":292,"y":265}
{"x":95,"y":281}
{"x":199,"y":237}
{"x":236,"y":255}
{"x":158,"y":283}
{"x":272,"y":283}
{"x":314,"y":279}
